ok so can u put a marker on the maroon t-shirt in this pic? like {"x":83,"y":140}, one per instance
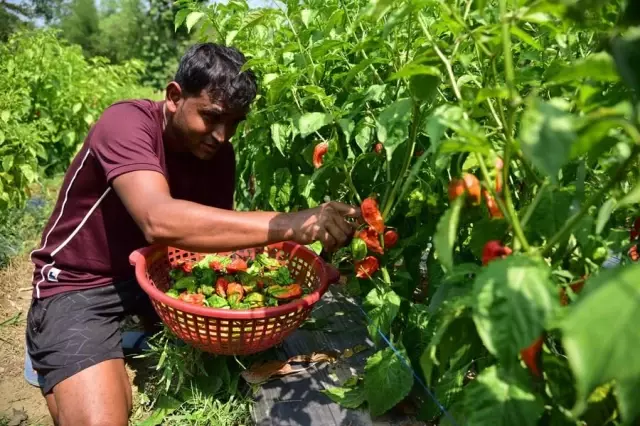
{"x":90,"y":234}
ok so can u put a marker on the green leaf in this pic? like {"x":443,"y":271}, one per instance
{"x":547,"y":133}
{"x":551,"y":213}
{"x":604,"y":214}
{"x":446,"y":233}
{"x":382,"y":309}
{"x":280,"y":192}
{"x":312,"y":122}
{"x":438,"y":122}
{"x":525,"y":37}
{"x":77,"y":107}
{"x":412,"y":69}
{"x":347,"y":126}
{"x":498,"y":399}
{"x":424,"y":87}
{"x":347,"y":397}
{"x":307,"y":15}
{"x":514,"y":300}
{"x":193,"y":19}
{"x":632,"y":197}
{"x":414,"y":337}
{"x":279,"y":133}
{"x":181,"y":15}
{"x":602,"y":339}
{"x":28,"y":173}
{"x":593,"y":136}
{"x":596,"y":67}
{"x":165,"y":405}
{"x":393,"y":125}
{"x":485,"y":230}
{"x":387,"y":380}
{"x":7,"y":162}
{"x":5,"y":116}
{"x":626,"y":52}
{"x":364,"y":133}
{"x":492,"y":92}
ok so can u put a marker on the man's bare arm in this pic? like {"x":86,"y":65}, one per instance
{"x":193,"y":226}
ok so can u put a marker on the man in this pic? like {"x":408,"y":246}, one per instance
{"x":148,"y":172}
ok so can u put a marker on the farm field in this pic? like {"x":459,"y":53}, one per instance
{"x":492,"y":146}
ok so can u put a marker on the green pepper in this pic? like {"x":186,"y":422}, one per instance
{"x":285,"y":292}
{"x":207,"y":290}
{"x":176,"y":274}
{"x":216,"y":301}
{"x":271,"y":301}
{"x":358,"y":248}
{"x":186,"y":283}
{"x":172,"y":292}
{"x":255,"y":300}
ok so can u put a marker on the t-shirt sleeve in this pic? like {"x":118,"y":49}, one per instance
{"x":123,"y":140}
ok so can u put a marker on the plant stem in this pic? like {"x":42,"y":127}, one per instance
{"x":573,"y":220}
{"x":413,"y":133}
{"x":534,"y":204}
{"x":443,"y":58}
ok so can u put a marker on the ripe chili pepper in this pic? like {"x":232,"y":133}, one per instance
{"x":378,"y":148}
{"x":494,"y":249}
{"x":531,"y":356}
{"x":216,"y":266}
{"x":237,"y":265}
{"x":494,"y":210}
{"x":633,"y":253}
{"x":221,"y":287}
{"x":193,"y":298}
{"x":634,"y":232}
{"x":576,"y":287}
{"x":367,"y":267}
{"x":283,"y":292}
{"x":371,"y":214}
{"x":371,"y":238}
{"x":187,"y":267}
{"x":469,"y":184}
{"x":318,"y":152}
{"x":390,"y":238}
{"x":235,"y":293}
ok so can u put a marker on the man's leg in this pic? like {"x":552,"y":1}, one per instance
{"x":99,"y":395}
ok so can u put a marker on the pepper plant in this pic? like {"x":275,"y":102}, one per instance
{"x":499,"y":140}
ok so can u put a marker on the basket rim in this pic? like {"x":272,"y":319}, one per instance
{"x":328,"y":275}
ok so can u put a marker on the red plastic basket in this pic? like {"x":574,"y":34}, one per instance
{"x":232,"y":332}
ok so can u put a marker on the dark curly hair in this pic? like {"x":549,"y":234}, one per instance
{"x":217,"y":68}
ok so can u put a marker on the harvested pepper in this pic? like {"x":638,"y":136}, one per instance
{"x":371,"y":214}
{"x":255,"y":300}
{"x":193,"y":298}
{"x":187,"y":267}
{"x":216,"y":301}
{"x":237,"y":265}
{"x":372,"y":240}
{"x":531,"y":356}
{"x":207,"y":290}
{"x":494,"y":249}
{"x":173,"y":293}
{"x":221,"y":287}
{"x":390,"y":238}
{"x":186,"y":283}
{"x":367,"y":267}
{"x":235,"y":293}
{"x":318,"y":152}
{"x":283,"y":292}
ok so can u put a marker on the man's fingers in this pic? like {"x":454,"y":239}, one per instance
{"x":328,"y":241}
{"x":339,"y":237}
{"x":345,"y":209}
{"x":346,"y":228}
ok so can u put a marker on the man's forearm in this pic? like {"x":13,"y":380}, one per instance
{"x":196,"y":227}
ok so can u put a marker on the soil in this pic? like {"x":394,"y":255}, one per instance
{"x":22,"y":404}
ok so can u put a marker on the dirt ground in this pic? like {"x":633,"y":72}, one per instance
{"x":20,"y":403}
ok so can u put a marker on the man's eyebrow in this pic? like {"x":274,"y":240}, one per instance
{"x":212,"y":109}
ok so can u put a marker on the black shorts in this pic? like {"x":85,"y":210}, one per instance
{"x":71,"y":331}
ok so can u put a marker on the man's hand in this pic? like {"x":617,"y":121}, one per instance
{"x":325,"y":223}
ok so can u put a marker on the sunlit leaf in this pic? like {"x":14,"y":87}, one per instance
{"x":348,"y":397}
{"x":393,"y":125}
{"x":382,"y":308}
{"x":193,"y":19}
{"x":387,"y":380}
{"x":597,"y":67}
{"x":608,"y":309}
{"x":312,"y":122}
{"x":446,"y":233}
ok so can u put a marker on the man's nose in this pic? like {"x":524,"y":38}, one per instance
{"x":219,"y":133}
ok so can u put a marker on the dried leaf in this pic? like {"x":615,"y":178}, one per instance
{"x":260,"y":373}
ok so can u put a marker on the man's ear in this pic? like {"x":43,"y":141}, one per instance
{"x":173,"y":96}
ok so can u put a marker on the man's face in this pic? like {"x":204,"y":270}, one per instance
{"x":201,"y":125}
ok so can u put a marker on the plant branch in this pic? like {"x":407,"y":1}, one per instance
{"x":595,"y":198}
{"x":534,"y":204}
{"x":443,"y":58}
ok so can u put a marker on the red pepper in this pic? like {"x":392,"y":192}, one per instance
{"x":237,"y":265}
{"x":494,"y":249}
{"x":187,"y":267}
{"x":576,"y":287}
{"x":531,"y":356}
{"x":371,"y":214}
{"x":634,"y":232}
{"x":216,"y":266}
{"x":235,"y":288}
{"x":284,"y":292}
{"x":378,"y":148}
{"x":371,"y":237}
{"x":318,"y":152}
{"x":221,"y":287}
{"x":494,"y":210}
{"x":469,"y":184}
{"x":390,"y":238}
{"x":367,"y":267}
{"x":193,"y":298}
{"x":633,"y":253}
